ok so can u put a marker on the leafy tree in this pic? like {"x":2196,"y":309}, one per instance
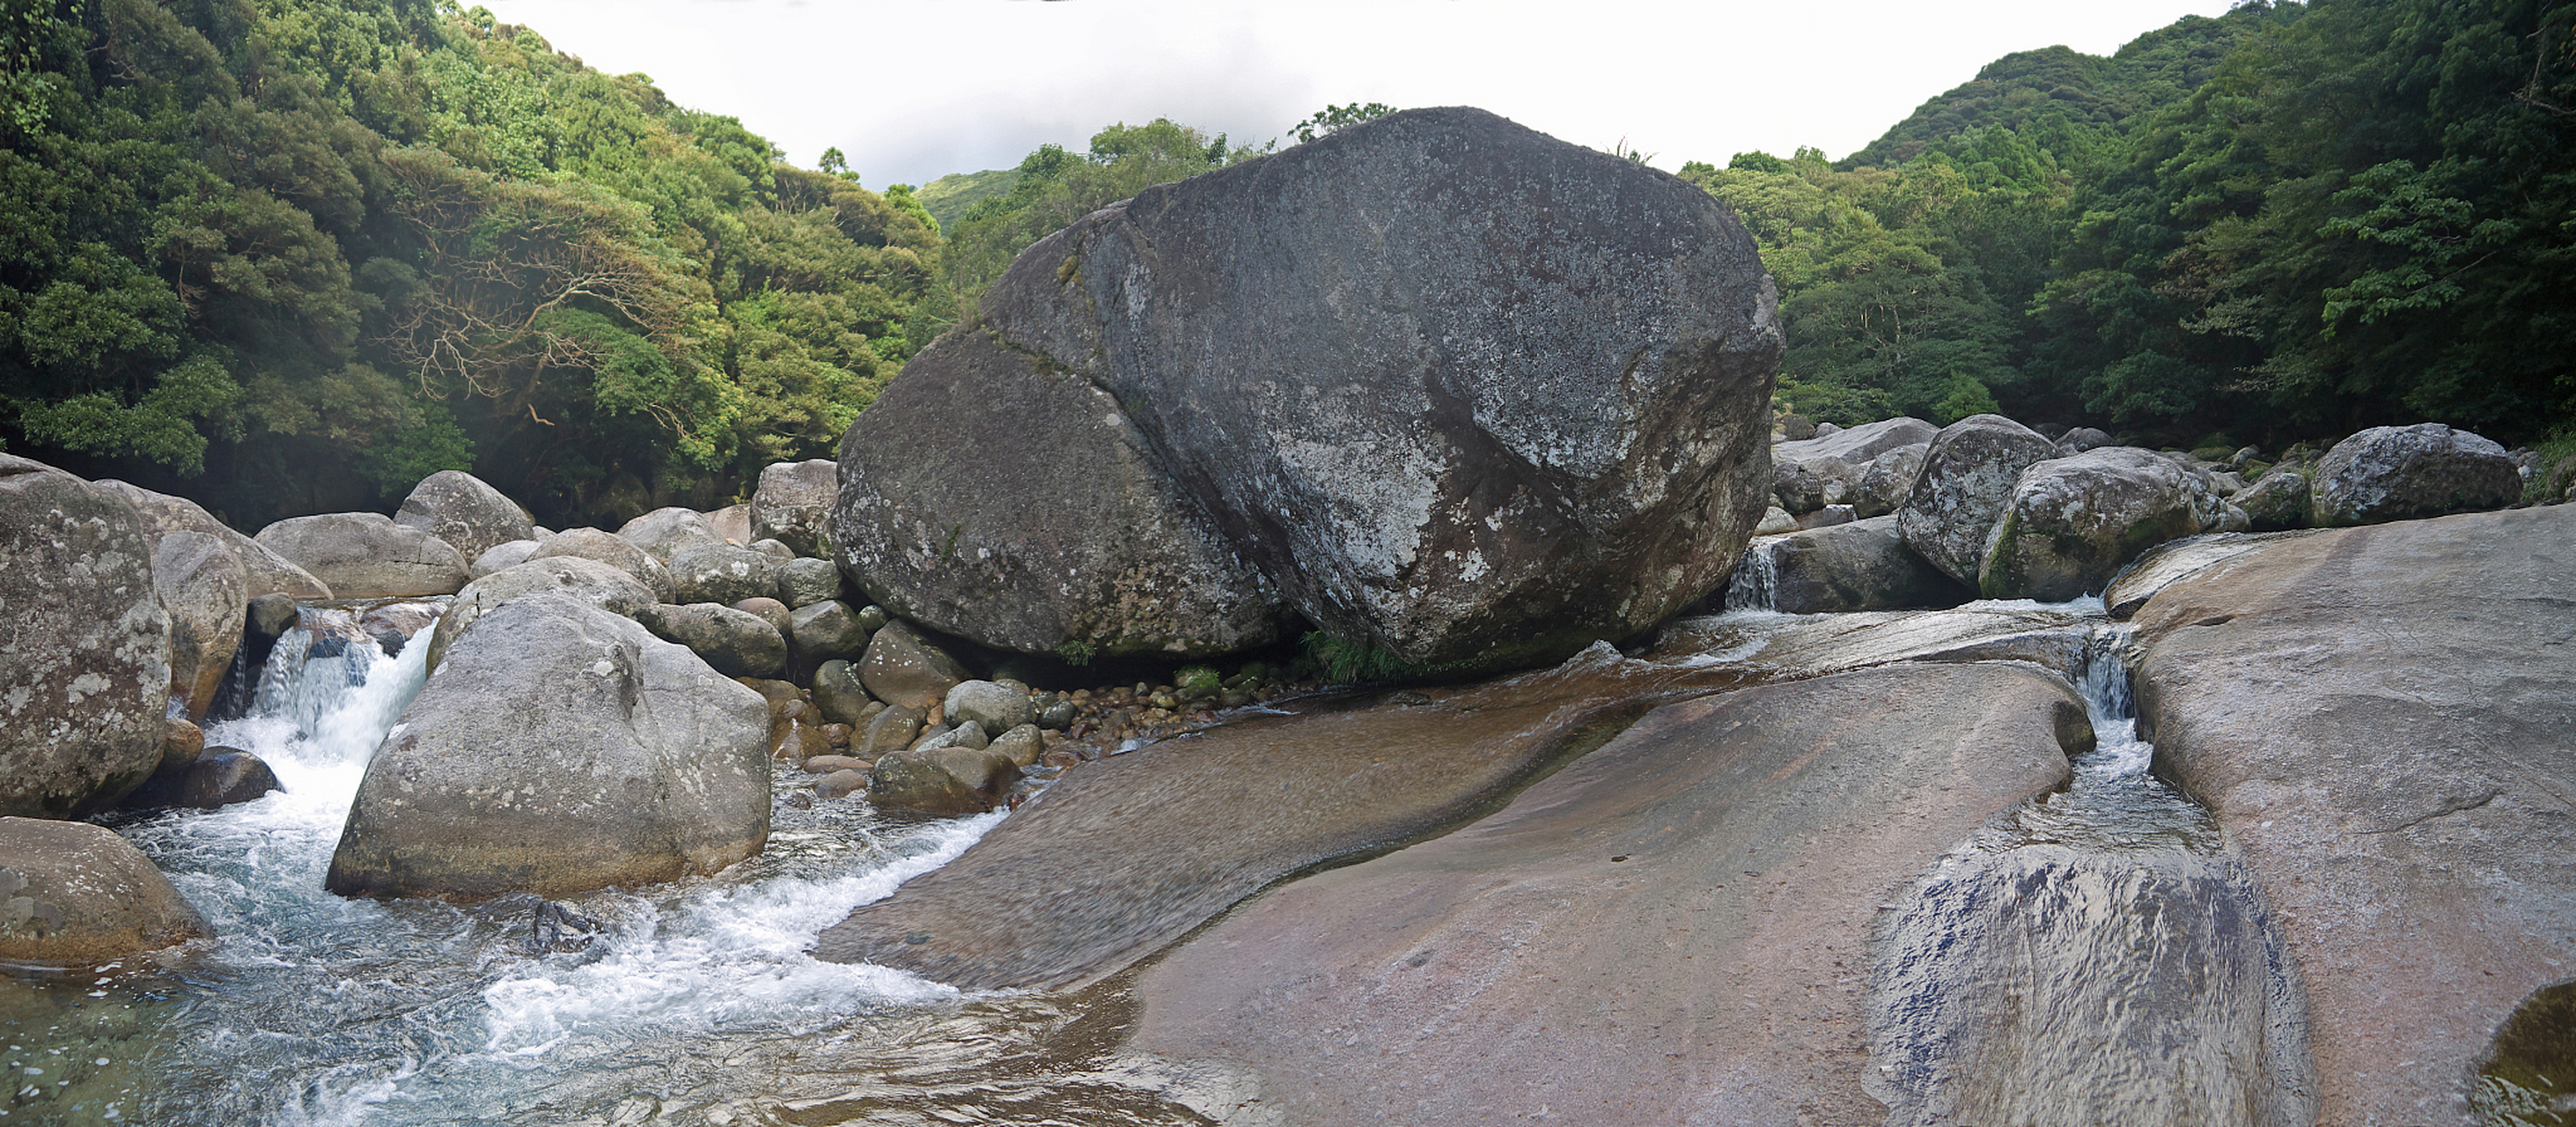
{"x":1055,"y":187}
{"x":1331,"y":118}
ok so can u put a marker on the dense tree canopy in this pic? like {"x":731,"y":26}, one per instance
{"x":291,"y":255}
{"x":312,"y":251}
{"x":2291,"y":221}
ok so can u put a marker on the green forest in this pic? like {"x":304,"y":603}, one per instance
{"x":288,"y":256}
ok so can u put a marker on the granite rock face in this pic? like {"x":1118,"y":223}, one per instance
{"x":1967,"y":478}
{"x":203,"y":587}
{"x":793,"y":505}
{"x":559,"y":749}
{"x":2072,"y":522}
{"x":2393,"y":473}
{"x":84,"y":645}
{"x":266,"y":571}
{"x":989,"y":494}
{"x":1457,"y":389}
{"x":2381,"y":718}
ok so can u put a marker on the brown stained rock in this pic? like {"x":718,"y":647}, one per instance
{"x":900,"y":668}
{"x":1127,"y":854}
{"x":75,"y":893}
{"x":2382,"y":718}
{"x":1672,"y":929}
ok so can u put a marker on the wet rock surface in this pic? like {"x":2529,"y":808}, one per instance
{"x":2380,"y":718}
{"x":560,"y":748}
{"x":1672,"y":929}
{"x":1125,"y":854}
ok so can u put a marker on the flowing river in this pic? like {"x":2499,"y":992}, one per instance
{"x":696,"y":1003}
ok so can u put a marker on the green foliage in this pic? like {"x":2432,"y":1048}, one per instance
{"x":1344,"y":662}
{"x":948,"y":198}
{"x":1200,"y":679}
{"x":397,"y":236}
{"x":1325,"y":121}
{"x":1053,"y":187}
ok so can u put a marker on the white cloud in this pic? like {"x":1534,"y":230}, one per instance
{"x":912,"y":89}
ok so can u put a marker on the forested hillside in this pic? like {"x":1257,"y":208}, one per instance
{"x":288,"y":256}
{"x":2292,"y":221}
{"x":294,"y":254}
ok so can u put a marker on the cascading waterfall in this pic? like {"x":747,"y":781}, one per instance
{"x":2096,"y":956}
{"x":1755,"y":582}
{"x":686,"y":1002}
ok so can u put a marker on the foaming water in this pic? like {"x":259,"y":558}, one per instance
{"x":685,"y":1003}
{"x":2095,"y":956}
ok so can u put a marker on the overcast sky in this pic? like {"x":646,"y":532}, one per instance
{"x":914,"y":89}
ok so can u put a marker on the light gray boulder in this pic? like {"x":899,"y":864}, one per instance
{"x":593,"y":582}
{"x":663,"y":532}
{"x":613,"y":550}
{"x":1967,"y":477}
{"x":367,"y":555}
{"x":84,"y":645}
{"x":561,"y":750}
{"x":943,"y":780}
{"x":2276,"y":501}
{"x":997,"y":708}
{"x":900,"y":668}
{"x":736,"y":643}
{"x":265,"y":571}
{"x":804,"y":582}
{"x":732,"y":524}
{"x":1887,"y":481}
{"x":793,"y":505}
{"x":1858,"y":445}
{"x":1862,"y":565}
{"x":2073,"y":522}
{"x":722,"y":573}
{"x":2081,"y":439}
{"x":203,"y":587}
{"x":2398,"y":473}
{"x":463,"y":510}
{"x":72,"y":893}
{"x":500,"y":556}
{"x":1806,"y":486}
{"x":827,"y":630}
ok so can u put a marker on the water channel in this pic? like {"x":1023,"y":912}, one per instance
{"x":696,"y":1003}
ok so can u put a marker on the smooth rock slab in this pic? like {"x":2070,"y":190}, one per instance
{"x":1673,"y":929}
{"x":1125,"y":854}
{"x":2384,"y":720}
{"x":559,"y":749}
{"x":84,"y":645}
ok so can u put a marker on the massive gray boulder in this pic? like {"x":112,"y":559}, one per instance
{"x":2382,"y":720}
{"x":2393,"y":473}
{"x":997,"y":497}
{"x":203,"y":587}
{"x":1967,"y":477}
{"x":460,"y":508}
{"x":265,"y":571}
{"x":793,"y":505}
{"x":558,"y":750}
{"x":367,"y":555}
{"x":75,"y":893}
{"x":608,"y":588}
{"x":2073,"y":522}
{"x":1674,"y":929}
{"x":84,"y":645}
{"x":1459,"y":390}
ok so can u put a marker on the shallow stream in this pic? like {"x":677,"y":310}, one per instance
{"x":695,"y":1003}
